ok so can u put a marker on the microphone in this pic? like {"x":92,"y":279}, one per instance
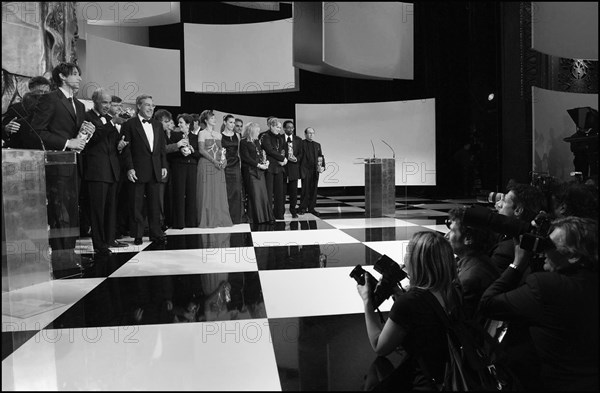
{"x":373,"y":148}
{"x":393,"y":152}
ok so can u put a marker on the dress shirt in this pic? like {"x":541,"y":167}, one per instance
{"x":148,"y":130}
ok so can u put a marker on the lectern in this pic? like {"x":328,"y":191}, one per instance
{"x":380,"y":187}
{"x":36,"y":186}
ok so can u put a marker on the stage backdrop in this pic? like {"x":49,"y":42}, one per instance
{"x":345,"y":132}
{"x":552,"y":123}
{"x":261,"y":121}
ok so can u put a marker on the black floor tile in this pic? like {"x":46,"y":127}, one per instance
{"x":329,"y":353}
{"x":167,"y":299}
{"x":294,"y":225}
{"x":103,"y":266}
{"x":383,"y":234}
{"x":314,"y":256}
{"x":207,"y":240}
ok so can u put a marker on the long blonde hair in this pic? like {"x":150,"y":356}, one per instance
{"x":249,"y":131}
{"x":430,"y":265}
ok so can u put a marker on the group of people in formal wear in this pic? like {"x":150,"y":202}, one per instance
{"x":153,"y":171}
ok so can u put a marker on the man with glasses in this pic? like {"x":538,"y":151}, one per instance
{"x":293,"y":149}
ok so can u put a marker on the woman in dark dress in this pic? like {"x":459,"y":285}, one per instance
{"x":254,"y":165}
{"x":230,"y":141}
{"x":184,"y":165}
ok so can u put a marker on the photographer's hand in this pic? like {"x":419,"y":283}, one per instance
{"x":522,"y":257}
{"x":365,"y":291}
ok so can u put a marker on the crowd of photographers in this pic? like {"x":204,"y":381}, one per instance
{"x":524,"y":269}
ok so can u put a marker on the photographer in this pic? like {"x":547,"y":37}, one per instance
{"x":475,"y":269}
{"x":523,"y":201}
{"x":412,"y":322}
{"x":575,"y":199}
{"x":560,"y":306}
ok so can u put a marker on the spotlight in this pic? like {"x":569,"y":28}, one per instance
{"x":490,"y":96}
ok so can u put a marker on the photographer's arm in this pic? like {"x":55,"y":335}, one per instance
{"x":384,"y":341}
{"x":506,"y":300}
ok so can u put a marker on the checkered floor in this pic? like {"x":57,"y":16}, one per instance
{"x":239,"y":308}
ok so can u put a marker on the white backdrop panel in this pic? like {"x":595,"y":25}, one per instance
{"x":245,"y":58}
{"x":345,"y":132}
{"x":130,"y":70}
{"x":369,"y":38}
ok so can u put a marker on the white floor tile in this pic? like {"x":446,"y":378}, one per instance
{"x":380,"y":222}
{"x":208,"y":260}
{"x":310,"y":292}
{"x":317,"y":236}
{"x":239,"y":228}
{"x":229,"y":355}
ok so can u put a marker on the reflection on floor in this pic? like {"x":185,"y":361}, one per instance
{"x":241,"y":308}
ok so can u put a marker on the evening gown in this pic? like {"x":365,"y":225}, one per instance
{"x":259,"y":208}
{"x":213,"y":209}
{"x":233,"y":176}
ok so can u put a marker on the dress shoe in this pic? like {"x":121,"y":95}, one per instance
{"x":160,"y":241}
{"x":294,"y":215}
{"x":279,"y":218}
{"x":302,"y":211}
{"x":137,"y":241}
{"x":314,"y":213}
{"x":102,"y":251}
{"x":115,"y":243}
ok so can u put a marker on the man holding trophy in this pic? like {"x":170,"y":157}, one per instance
{"x":293,"y":151}
{"x":312,"y":164}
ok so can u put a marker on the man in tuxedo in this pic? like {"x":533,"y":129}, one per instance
{"x":292,"y":169}
{"x":274,"y":146}
{"x":146,"y":162}
{"x":58,"y":119}
{"x":123,"y":211}
{"x":310,"y":168}
{"x":102,"y":172}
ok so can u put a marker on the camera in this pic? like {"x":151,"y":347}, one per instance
{"x":491,"y":197}
{"x":391,"y":275}
{"x":534,"y":237}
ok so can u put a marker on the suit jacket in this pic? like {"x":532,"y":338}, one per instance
{"x":306,"y":165}
{"x":147,"y":164}
{"x":176,"y":156}
{"x":250,"y":155}
{"x":273,"y":145}
{"x":292,"y":169}
{"x":100,"y":154}
{"x":55,"y":119}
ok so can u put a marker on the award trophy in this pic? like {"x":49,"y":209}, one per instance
{"x":85,"y":133}
{"x":186,"y":149}
{"x":320,"y":166}
{"x":291,"y":156}
{"x":223,"y":157}
{"x":263,"y":159}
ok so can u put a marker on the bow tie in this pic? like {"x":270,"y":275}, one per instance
{"x":289,"y":139}
{"x":145,"y":121}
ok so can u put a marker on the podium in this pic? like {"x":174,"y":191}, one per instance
{"x":380,"y":187}
{"x":36,"y":186}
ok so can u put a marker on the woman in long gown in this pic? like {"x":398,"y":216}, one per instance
{"x":230,"y":140}
{"x":213,"y":209}
{"x":254,"y":165}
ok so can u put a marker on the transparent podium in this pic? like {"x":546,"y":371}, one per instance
{"x":40,"y":216}
{"x":380,"y":187}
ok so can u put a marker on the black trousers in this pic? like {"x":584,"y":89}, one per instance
{"x":151,"y":190}
{"x":308,"y":195}
{"x":292,"y":192}
{"x":183,"y":196}
{"x":103,"y":212}
{"x":275,"y":192}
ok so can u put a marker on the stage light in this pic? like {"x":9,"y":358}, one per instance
{"x":490,"y":96}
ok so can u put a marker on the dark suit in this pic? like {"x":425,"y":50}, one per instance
{"x":292,"y":170}
{"x":274,"y":145}
{"x":56,"y":121}
{"x":102,"y":172}
{"x":147,"y":164}
{"x":183,"y":179}
{"x":310,"y":174}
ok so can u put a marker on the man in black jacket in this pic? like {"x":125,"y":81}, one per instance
{"x":313,"y":163}
{"x":292,"y":168}
{"x":102,"y":172}
{"x":146,"y":161}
